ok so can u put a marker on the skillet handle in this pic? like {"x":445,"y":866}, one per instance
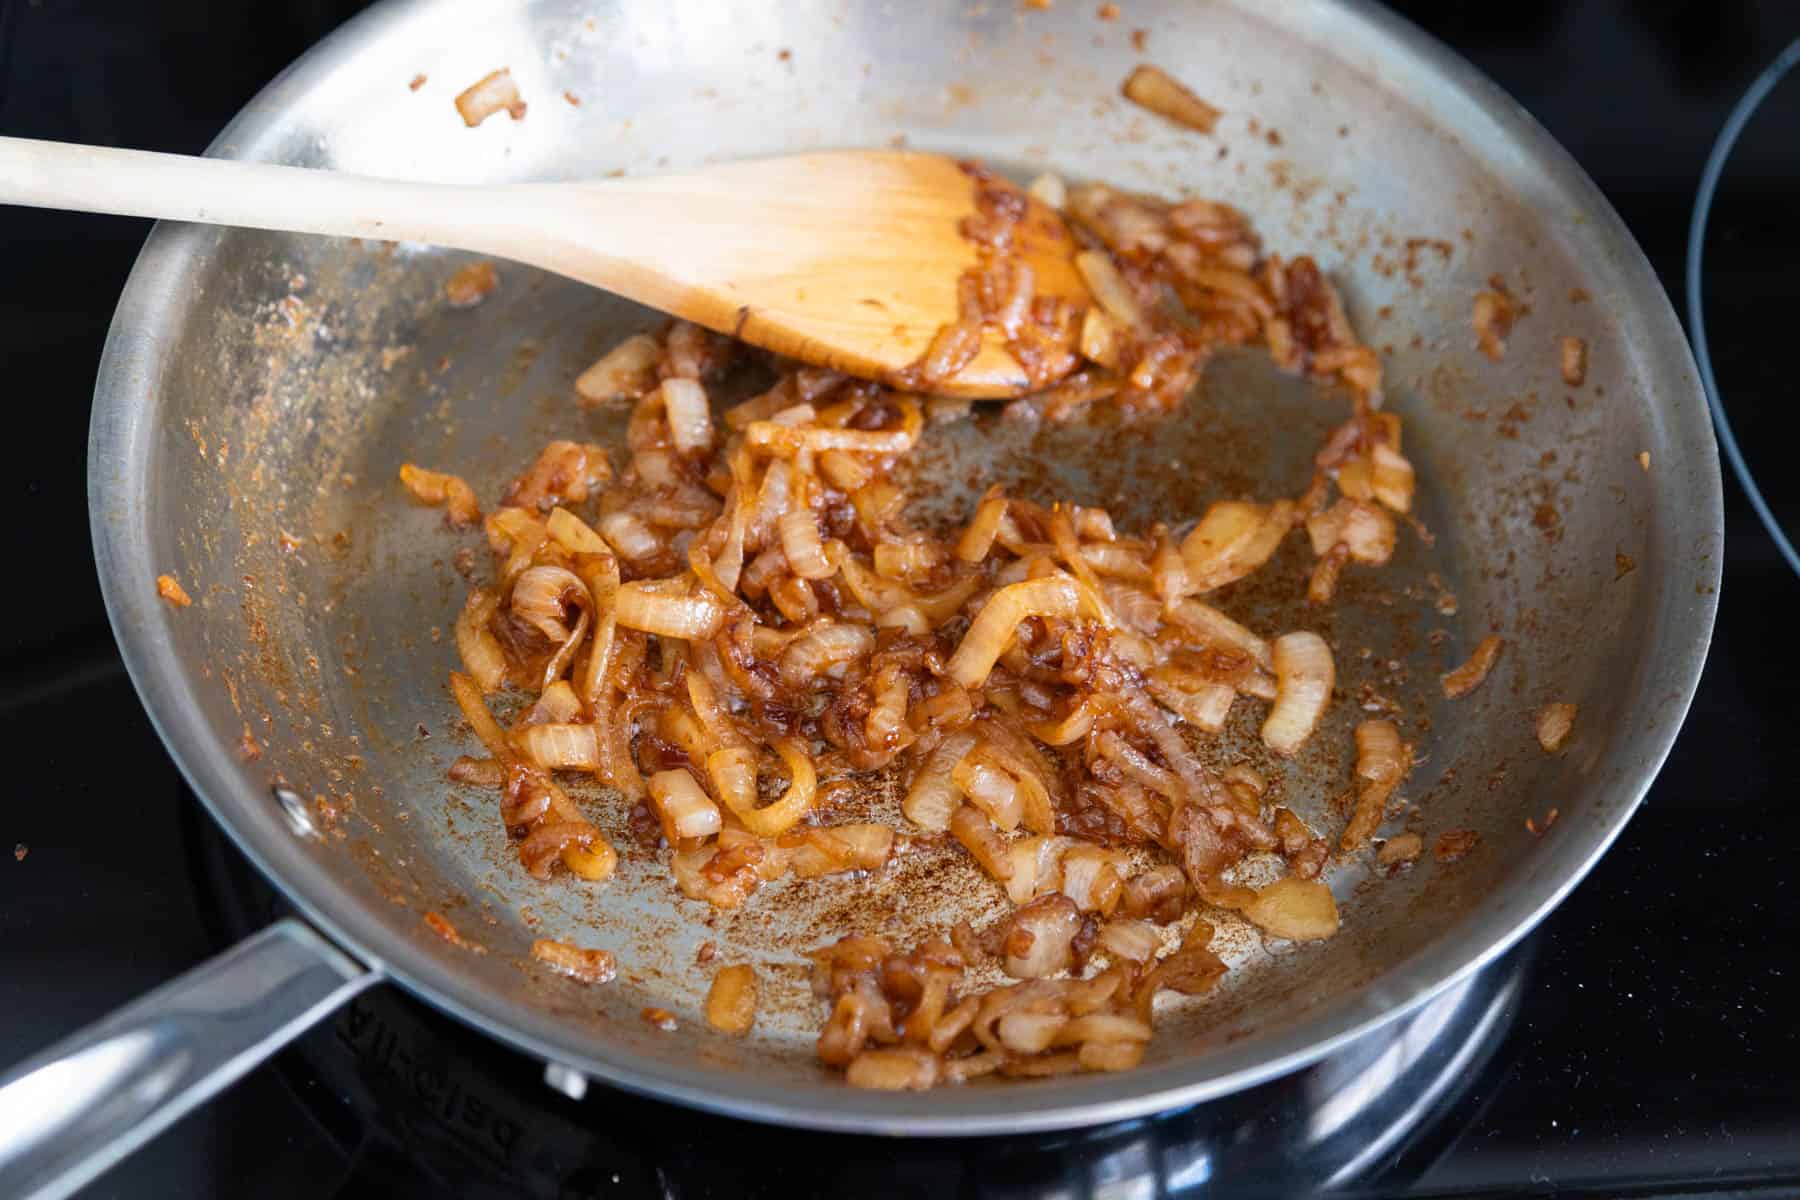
{"x":74,"y":1110}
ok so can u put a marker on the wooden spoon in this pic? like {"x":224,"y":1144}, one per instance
{"x":847,"y":259}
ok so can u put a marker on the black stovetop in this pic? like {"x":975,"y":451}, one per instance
{"x":1645,"y":1046}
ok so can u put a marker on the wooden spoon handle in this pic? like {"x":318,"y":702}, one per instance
{"x":219,"y":191}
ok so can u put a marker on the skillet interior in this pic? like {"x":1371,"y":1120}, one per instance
{"x":258,"y":386}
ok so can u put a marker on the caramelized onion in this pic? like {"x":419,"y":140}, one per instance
{"x":905,"y":617}
{"x":558,"y":747}
{"x":1134,"y":941}
{"x":970,"y":826}
{"x":682,"y":807}
{"x":1382,"y":761}
{"x":731,"y":1001}
{"x":541,"y":597}
{"x":1153,"y":88}
{"x":449,"y":491}
{"x":591,"y":858}
{"x":1304,"y":675}
{"x":932,"y":798}
{"x":1553,"y":724}
{"x":991,"y":790}
{"x":1036,"y":866}
{"x":1398,"y":851}
{"x":480,"y":650}
{"x":475,"y":711}
{"x":1300,"y":909}
{"x":1205,"y":705}
{"x":1364,"y":530}
{"x":844,"y":471}
{"x":821,"y":648}
{"x":1109,"y":288}
{"x":1101,"y":338}
{"x":1051,"y":596}
{"x":689,"y":415}
{"x":901,"y":559}
{"x":1211,"y":625}
{"x":1039,"y":937}
{"x":978,"y":536}
{"x":1048,"y":189}
{"x":483,"y":772}
{"x":666,"y":613}
{"x":1232,"y":540}
{"x":879,"y":595}
{"x":790,"y":439}
{"x":900,"y":1068}
{"x":573,"y":534}
{"x":492,"y":93}
{"x":1469,"y":676}
{"x":1090,"y":877}
{"x":583,"y":966}
{"x":1072,"y":727}
{"x":1168,"y":571}
{"x":629,"y":535}
{"x":1136,"y":766}
{"x":624,"y":371}
{"x":783,"y":814}
{"x":1390,"y":478}
{"x":799,"y":531}
{"x":862,"y":847}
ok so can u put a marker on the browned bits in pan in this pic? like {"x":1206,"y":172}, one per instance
{"x":1455,"y":844}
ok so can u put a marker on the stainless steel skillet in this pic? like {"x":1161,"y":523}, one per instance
{"x":257,"y":386}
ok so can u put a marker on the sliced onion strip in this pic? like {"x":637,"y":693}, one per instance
{"x":1304,"y":675}
{"x":932,"y":798}
{"x":480,"y":650}
{"x":689,"y":415}
{"x":641,"y":605}
{"x":684,"y":810}
{"x":1053,"y":596}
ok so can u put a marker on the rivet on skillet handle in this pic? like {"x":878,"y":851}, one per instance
{"x":74,"y":1110}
